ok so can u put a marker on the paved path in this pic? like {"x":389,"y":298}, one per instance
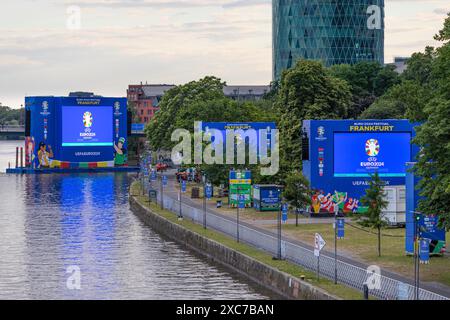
{"x":171,"y":192}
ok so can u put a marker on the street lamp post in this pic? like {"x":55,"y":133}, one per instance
{"x":180,"y":216}
{"x":204,"y":202}
{"x":279,"y":253}
{"x":336,"y":213}
{"x":162,"y":192}
{"x":279,"y":230}
{"x":238,"y":213}
{"x":416,"y":256}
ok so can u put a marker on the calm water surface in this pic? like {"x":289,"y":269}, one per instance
{"x":51,"y":222}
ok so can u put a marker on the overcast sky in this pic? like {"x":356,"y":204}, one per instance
{"x":160,"y":41}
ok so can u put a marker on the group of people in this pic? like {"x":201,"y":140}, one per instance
{"x":332,"y":203}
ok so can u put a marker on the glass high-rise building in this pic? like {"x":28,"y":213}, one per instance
{"x":332,"y":31}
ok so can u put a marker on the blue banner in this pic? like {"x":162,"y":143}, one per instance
{"x":137,"y":127}
{"x":424,"y":251}
{"x":183,"y":186}
{"x":209,"y":191}
{"x":79,"y":130}
{"x":284,"y":209}
{"x":241,"y":201}
{"x":340,"y":228}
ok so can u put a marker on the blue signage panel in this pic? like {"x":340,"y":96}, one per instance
{"x":209,"y":191}
{"x":340,"y":228}
{"x":153,"y":176}
{"x":424,"y":251}
{"x":87,"y":126}
{"x":284,"y":209}
{"x":241,"y":201}
{"x":427,"y":226}
{"x":138,"y":127}
{"x":343,"y":154}
{"x":183,"y":186}
{"x":246,"y":128}
{"x":363,"y":154}
{"x":164,"y":180}
{"x":270,"y":197}
{"x":79,"y":130}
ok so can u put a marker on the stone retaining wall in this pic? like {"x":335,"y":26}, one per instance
{"x":279,"y":282}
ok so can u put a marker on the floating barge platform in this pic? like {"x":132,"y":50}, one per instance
{"x":70,"y":171}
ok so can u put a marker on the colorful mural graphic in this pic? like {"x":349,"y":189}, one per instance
{"x":321,"y":203}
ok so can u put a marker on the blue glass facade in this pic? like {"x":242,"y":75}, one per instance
{"x":332,"y":31}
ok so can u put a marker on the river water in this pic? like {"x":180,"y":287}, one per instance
{"x":61,"y":231}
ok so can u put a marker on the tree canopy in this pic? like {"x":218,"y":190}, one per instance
{"x":307,"y":91}
{"x":434,"y":136}
{"x":367,"y":81}
{"x":9,"y":116}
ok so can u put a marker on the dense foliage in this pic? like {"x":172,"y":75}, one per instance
{"x":368,"y":81}
{"x":434,"y":135}
{"x":10,"y":116}
{"x":365,"y":90}
{"x":297,"y":191}
{"x":307,"y":91}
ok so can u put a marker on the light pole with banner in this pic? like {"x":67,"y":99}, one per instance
{"x":183,"y":186}
{"x":164,"y":181}
{"x":207,"y":195}
{"x":339,"y":233}
{"x":336,"y":213}
{"x":417,"y":236}
{"x":240,"y":205}
{"x":281,"y":208}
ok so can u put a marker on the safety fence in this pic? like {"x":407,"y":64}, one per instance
{"x":380,"y":286}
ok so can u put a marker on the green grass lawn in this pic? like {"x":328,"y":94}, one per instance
{"x":363,"y":245}
{"x":359,"y":244}
{"x":339,"y":290}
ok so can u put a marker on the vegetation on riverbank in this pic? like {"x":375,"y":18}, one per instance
{"x":339,"y":290}
{"x":11,"y":117}
{"x":309,"y":90}
{"x":361,"y":244}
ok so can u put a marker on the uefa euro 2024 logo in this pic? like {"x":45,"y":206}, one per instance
{"x":87,"y":120}
{"x":372,"y":147}
{"x":321,"y":131}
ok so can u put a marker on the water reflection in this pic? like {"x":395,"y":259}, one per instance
{"x":51,"y":222}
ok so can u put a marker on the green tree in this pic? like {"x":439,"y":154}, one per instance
{"x":273,"y":93}
{"x":9,"y":116}
{"x":374,"y":199}
{"x":433,"y":164}
{"x":420,"y":66}
{"x":203,"y":100}
{"x":307,"y":91}
{"x":407,"y":98}
{"x":131,"y":107}
{"x":297,"y":192}
{"x":176,"y":100}
{"x":367,"y":80}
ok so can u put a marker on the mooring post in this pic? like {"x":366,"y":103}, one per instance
{"x":17,"y":157}
{"x":21,"y":157}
